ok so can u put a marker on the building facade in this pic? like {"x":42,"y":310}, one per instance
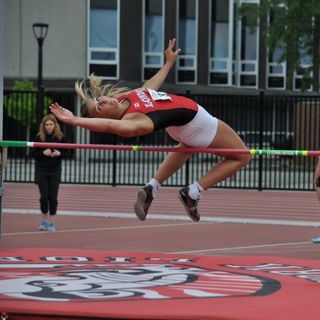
{"x":124,"y":40}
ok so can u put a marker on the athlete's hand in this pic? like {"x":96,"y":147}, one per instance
{"x":61,"y":113}
{"x":172,"y":53}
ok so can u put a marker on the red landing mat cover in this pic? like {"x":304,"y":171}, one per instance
{"x":91,"y":284}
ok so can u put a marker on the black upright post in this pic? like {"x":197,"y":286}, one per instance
{"x":40,"y":97}
{"x":40,"y":31}
{"x":2,"y":150}
{"x":261,"y":137}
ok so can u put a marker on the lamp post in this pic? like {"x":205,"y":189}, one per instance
{"x":40,"y":31}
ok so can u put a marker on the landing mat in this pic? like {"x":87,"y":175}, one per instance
{"x":91,"y":284}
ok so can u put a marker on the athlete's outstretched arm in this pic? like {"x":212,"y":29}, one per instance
{"x":123,"y":127}
{"x":158,"y":79}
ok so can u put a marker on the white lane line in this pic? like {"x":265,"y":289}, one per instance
{"x":154,"y":216}
{"x":244,"y":247}
{"x":99,"y":229}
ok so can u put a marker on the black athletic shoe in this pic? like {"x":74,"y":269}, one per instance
{"x":143,"y":203}
{"x":189,"y":204}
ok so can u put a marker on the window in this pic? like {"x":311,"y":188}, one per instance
{"x":304,"y":71}
{"x":187,"y":41}
{"x":220,"y":62}
{"x":276,"y":70}
{"x":103,"y":53}
{"x":248,"y":66}
{"x":245,"y":49}
{"x":153,"y":37}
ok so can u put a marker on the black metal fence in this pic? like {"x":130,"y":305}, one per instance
{"x":264,"y":121}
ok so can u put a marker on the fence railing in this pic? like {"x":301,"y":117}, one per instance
{"x":262,"y":120}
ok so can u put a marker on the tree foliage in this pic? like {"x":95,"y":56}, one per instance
{"x":21,"y":103}
{"x":294,"y":28}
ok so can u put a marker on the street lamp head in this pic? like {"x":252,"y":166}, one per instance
{"x":40,"y":31}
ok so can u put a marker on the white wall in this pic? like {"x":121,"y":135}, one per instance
{"x":65,"y":47}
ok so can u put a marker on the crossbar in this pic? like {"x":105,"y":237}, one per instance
{"x":216,"y":151}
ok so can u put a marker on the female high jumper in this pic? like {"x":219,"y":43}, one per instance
{"x":131,"y":113}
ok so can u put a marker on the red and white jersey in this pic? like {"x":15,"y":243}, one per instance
{"x":163,"y":109}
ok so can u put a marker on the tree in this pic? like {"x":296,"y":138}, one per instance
{"x":295,"y":30}
{"x":21,"y":104}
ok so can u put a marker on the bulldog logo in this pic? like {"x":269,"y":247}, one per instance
{"x":97,"y":282}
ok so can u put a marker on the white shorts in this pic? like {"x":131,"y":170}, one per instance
{"x":198,"y":133}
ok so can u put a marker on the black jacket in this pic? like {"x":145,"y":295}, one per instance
{"x":47,"y":163}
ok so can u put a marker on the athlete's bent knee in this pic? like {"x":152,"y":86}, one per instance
{"x":244,"y":159}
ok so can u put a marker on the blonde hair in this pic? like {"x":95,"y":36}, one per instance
{"x":97,"y":89}
{"x":57,"y":133}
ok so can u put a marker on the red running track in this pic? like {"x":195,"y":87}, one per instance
{"x":267,"y":223}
